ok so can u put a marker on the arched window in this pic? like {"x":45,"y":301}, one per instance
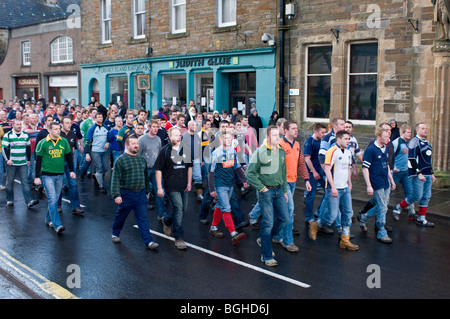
{"x":62,"y":50}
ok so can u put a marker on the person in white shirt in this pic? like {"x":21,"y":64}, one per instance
{"x":337,"y":167}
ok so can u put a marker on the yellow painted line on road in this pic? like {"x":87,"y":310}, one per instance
{"x":27,"y":275}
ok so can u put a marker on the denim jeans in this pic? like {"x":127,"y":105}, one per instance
{"x":421,"y":191}
{"x":402,"y":178}
{"x":380,"y":199}
{"x":73,"y":189}
{"x":340,"y":205}
{"x":115,"y":155}
{"x":275,"y":217}
{"x":22,"y":172}
{"x":161,"y":208}
{"x":179,"y":202}
{"x":2,"y":169}
{"x":309,"y":200}
{"x":137,"y":202}
{"x":31,"y":172}
{"x":207,"y":199}
{"x":224,"y":194}
{"x":286,"y":233}
{"x":53,"y":186}
{"x":256,"y":211}
{"x":197,"y":173}
{"x":101,"y":164}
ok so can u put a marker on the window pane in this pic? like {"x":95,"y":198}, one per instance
{"x":319,"y":60}
{"x":139,"y":6}
{"x":180,"y":17}
{"x":174,"y":90}
{"x":318,"y":102}
{"x":107,"y":31}
{"x":252,"y":81}
{"x":140,"y":24}
{"x":362,"y":97}
{"x":118,"y":89}
{"x":228,"y":11}
{"x":238,"y":82}
{"x":363,"y":58}
{"x":106,"y":9}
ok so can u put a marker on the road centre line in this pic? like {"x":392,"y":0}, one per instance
{"x":236,"y":261}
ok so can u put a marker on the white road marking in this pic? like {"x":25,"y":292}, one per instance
{"x":238,"y":262}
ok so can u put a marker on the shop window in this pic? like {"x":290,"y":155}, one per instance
{"x":106,"y":21}
{"x":178,"y":16}
{"x":362,"y":80}
{"x":139,"y":95}
{"x":174,"y":90}
{"x":138,"y":19}
{"x":204,"y":88}
{"x":318,"y":81}
{"x":118,"y":89}
{"x":26,"y":53}
{"x":242,"y":92}
{"x":62,"y":50}
{"x":226,"y":13}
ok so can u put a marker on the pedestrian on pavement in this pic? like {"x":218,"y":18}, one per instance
{"x":97,"y":151}
{"x":400,"y":172}
{"x":338,"y":163}
{"x":174,"y":167}
{"x":51,"y":154}
{"x":149,"y":146}
{"x":224,"y":165}
{"x":191,"y":142}
{"x":316,"y":174}
{"x":295,"y":164}
{"x":125,"y":131}
{"x":267,"y":173}
{"x":379,"y":181}
{"x":129,"y":188}
{"x":16,"y":149}
{"x":70,"y":136}
{"x":421,"y":174}
{"x":328,"y":141}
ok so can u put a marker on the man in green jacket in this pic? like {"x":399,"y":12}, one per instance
{"x":267,"y":173}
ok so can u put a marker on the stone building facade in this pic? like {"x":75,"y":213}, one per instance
{"x":40,"y":50}
{"x":364,"y":61}
{"x":207,"y":51}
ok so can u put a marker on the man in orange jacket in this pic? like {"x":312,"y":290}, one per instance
{"x":295,"y":164}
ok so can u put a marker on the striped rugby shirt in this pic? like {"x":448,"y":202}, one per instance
{"x":16,"y":147}
{"x":340,"y":161}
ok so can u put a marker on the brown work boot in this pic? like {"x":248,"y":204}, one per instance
{"x":313,"y":229}
{"x":346,"y":244}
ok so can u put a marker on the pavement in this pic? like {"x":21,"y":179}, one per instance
{"x":17,"y":281}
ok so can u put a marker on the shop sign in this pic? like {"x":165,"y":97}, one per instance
{"x":27,"y":82}
{"x":143,"y":82}
{"x":214,"y":61}
{"x":63,"y":81}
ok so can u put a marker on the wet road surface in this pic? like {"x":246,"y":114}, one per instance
{"x":415,"y":266}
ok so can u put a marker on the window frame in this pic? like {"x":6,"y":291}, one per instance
{"x":104,"y":21}
{"x":23,"y":53}
{"x":174,"y":16}
{"x":220,"y":22}
{"x":56,"y":42}
{"x":307,"y":75}
{"x":347,"y":102}
{"x":135,"y":15}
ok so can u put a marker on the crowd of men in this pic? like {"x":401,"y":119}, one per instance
{"x":134,"y":156}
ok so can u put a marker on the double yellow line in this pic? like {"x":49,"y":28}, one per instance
{"x":33,"y":280}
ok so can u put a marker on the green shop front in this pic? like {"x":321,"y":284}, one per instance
{"x":215,"y":81}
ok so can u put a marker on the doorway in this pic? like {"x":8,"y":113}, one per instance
{"x":243,"y":92}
